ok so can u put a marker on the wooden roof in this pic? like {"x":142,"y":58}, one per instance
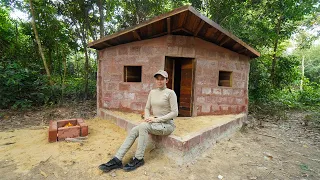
{"x":181,"y":21}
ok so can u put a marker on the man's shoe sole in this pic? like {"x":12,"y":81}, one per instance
{"x":133,"y":168}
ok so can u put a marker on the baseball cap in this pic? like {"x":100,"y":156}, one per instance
{"x":162,"y":73}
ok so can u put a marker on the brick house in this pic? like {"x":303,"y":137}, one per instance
{"x":208,"y":67}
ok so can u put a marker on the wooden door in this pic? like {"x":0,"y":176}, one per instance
{"x":185,"y":106}
{"x":169,"y":67}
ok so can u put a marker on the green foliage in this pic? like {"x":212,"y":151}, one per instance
{"x":21,"y":87}
{"x":287,"y":72}
{"x":74,"y":88}
{"x":312,"y":62}
{"x":310,"y":95}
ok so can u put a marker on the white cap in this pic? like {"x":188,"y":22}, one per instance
{"x":162,"y":73}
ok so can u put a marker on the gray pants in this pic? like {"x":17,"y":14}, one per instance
{"x":142,"y":131}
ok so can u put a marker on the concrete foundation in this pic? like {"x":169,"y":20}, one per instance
{"x":186,"y":148}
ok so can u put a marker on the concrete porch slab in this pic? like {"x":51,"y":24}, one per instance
{"x":192,"y":136}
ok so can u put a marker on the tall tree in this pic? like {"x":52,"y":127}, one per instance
{"x":39,"y":42}
{"x":102,"y":19}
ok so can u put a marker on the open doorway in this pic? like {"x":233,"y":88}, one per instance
{"x":181,"y":72}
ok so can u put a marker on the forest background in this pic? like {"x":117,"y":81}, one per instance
{"x":44,"y":59}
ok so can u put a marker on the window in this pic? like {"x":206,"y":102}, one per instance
{"x":225,"y":78}
{"x":132,"y":73}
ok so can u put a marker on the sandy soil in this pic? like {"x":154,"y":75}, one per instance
{"x":278,"y":150}
{"x":185,"y":125}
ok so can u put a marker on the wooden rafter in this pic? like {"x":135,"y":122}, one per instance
{"x":107,"y":44}
{"x":136,"y":35}
{"x":168,"y":25}
{"x":199,"y":28}
{"x":182,"y":29}
{"x":225,"y":41}
{"x":242,"y":50}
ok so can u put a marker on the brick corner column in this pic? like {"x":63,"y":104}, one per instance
{"x":53,"y":130}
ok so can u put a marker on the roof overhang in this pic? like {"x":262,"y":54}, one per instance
{"x":185,"y":21}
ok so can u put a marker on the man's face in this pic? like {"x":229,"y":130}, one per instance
{"x":160,"y":81}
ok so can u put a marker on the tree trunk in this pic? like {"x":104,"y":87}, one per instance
{"x":86,"y":65}
{"x":100,"y":5}
{"x":302,"y":73}
{"x":64,"y":75}
{"x":39,"y":43}
{"x":137,"y":11}
{"x":275,"y":48}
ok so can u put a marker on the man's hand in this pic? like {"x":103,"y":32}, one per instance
{"x":149,"y":120}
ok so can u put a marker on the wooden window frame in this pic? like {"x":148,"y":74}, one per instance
{"x":125,"y":73}
{"x":230,"y":74}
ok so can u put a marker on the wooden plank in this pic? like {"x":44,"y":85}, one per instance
{"x":186,"y":88}
{"x":236,"y":46}
{"x":187,"y":31}
{"x":187,"y":66}
{"x":182,"y":19}
{"x":224,"y":41}
{"x":199,"y":28}
{"x":169,"y":67}
{"x":185,"y":104}
{"x":183,"y":113}
{"x":196,"y":24}
{"x":209,"y":33}
{"x":221,"y":36}
{"x":242,"y":50}
{"x":158,"y":35}
{"x":169,"y":25}
{"x":186,"y":80}
{"x":107,"y":44}
{"x":188,"y":25}
{"x":136,"y":35}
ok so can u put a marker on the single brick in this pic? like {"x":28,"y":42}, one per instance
{"x":68,"y":132}
{"x":84,"y":130}
{"x":53,"y":130}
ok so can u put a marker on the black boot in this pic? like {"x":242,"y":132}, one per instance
{"x":114,"y":163}
{"x":133,"y":164}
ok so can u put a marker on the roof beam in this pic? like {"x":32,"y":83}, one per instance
{"x":182,"y":29}
{"x":199,"y":28}
{"x":158,"y":35}
{"x":242,"y":50}
{"x":236,"y":46}
{"x":169,"y":25}
{"x":107,"y":44}
{"x":136,"y":35}
{"x":225,"y":41}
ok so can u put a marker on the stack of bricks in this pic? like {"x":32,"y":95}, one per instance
{"x":58,"y":131}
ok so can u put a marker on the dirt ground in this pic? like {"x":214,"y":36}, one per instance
{"x":271,"y":150}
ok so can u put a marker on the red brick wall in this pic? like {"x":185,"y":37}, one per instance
{"x":209,"y":98}
{"x":113,"y":92}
